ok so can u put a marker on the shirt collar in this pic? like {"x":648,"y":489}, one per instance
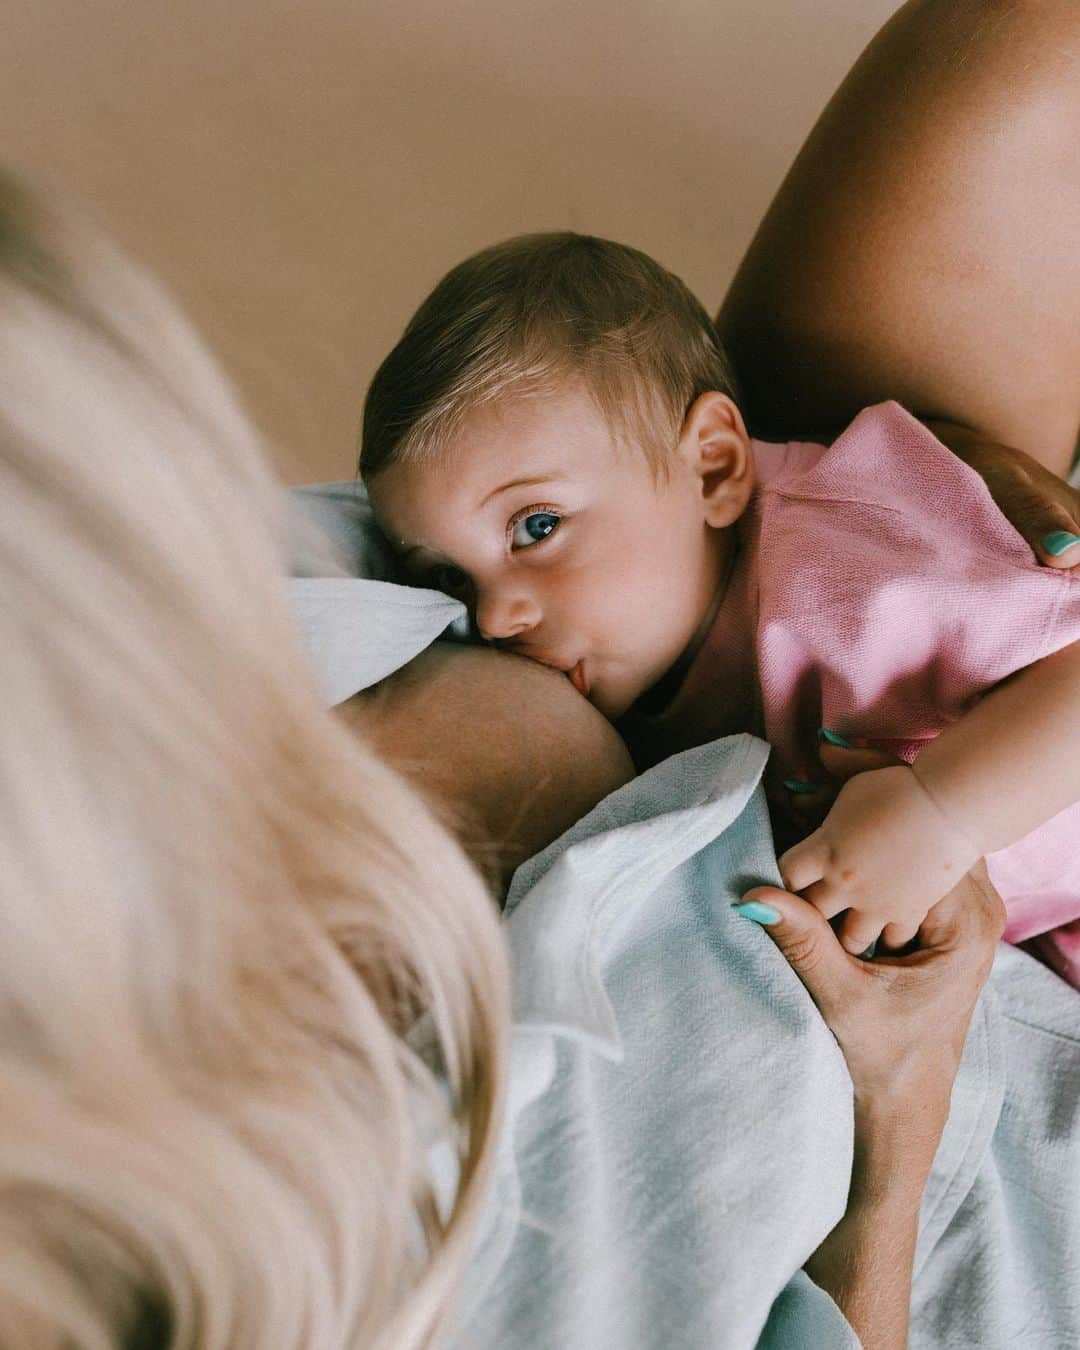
{"x":564,"y":904}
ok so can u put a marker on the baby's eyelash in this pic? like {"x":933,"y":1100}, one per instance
{"x":540,"y":508}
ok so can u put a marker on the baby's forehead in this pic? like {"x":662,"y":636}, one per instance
{"x":557,"y":434}
{"x":534,"y":422}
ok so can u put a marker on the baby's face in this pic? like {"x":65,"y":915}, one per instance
{"x":563,"y":548}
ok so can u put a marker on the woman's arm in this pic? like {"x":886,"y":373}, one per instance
{"x":901,"y":1023}
{"x":865,"y":1263}
{"x":923,"y":246}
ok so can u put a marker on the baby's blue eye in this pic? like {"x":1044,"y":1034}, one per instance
{"x":533,"y":528}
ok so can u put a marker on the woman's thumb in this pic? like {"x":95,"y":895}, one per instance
{"x":845,"y":762}
{"x":808,"y":943}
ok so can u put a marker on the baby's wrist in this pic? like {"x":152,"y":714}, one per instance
{"x":950,"y":807}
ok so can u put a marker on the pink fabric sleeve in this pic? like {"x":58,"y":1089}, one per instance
{"x":893,"y":594}
{"x":889,"y":579}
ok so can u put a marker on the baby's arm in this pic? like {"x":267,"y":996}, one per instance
{"x":897,"y":839}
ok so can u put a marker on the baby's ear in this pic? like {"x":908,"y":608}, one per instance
{"x":716,"y":447}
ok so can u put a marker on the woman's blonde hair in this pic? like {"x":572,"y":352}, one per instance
{"x":524,"y":316}
{"x":224,"y":923}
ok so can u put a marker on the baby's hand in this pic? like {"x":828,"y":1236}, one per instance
{"x":885,"y":852}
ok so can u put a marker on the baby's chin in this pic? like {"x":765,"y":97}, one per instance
{"x":618,"y":704}
{"x":612,"y":707}
{"x":646,"y":693}
{"x":649,"y":699}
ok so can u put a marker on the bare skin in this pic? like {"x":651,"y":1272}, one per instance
{"x":901,"y":1022}
{"x":924,"y":245}
{"x":508,"y":751}
{"x":924,"y":248}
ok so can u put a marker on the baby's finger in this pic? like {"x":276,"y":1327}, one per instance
{"x":859,"y":931}
{"x":894,"y":936}
{"x":805,"y":863}
{"x":826,"y":899}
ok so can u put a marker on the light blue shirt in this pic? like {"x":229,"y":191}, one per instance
{"x":678,"y":1137}
{"x":679,"y":1131}
{"x":661,"y":1180}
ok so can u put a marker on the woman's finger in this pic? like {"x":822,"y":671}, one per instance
{"x":845,"y":763}
{"x":808,"y":943}
{"x":1046,"y":511}
{"x":1047,"y":514}
{"x":1061,"y":546}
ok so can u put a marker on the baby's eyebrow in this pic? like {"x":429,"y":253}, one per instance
{"x":518,"y":482}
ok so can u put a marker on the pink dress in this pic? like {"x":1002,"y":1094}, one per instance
{"x":878,"y":591}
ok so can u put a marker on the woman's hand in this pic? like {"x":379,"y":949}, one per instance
{"x":1037,"y":503}
{"x":901,"y":1022}
{"x":922,"y":993}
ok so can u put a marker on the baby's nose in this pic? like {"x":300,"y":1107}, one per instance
{"x":501,"y":614}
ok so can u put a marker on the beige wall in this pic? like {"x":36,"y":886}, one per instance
{"x":302,"y":171}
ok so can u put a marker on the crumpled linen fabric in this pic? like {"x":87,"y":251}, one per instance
{"x":356,"y":622}
{"x":679,"y":1130}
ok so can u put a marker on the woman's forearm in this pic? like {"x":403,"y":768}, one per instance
{"x":865,"y":1264}
{"x":902,"y":1025}
{"x":1013,"y":760}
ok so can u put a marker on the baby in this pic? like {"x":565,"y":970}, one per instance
{"x":555,"y":441}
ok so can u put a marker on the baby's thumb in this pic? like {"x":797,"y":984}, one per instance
{"x":808,"y":943}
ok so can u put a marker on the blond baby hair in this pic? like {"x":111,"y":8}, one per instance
{"x":220,"y":917}
{"x":524,"y":316}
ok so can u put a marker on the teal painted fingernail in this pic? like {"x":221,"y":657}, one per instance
{"x":1059,"y":541}
{"x":754,"y":909}
{"x":834,"y":739}
{"x":797,"y":785}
